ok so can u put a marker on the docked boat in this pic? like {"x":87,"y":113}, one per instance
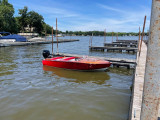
{"x":75,"y":63}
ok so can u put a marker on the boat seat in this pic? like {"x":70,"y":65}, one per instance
{"x":56,"y":58}
{"x":69,"y":58}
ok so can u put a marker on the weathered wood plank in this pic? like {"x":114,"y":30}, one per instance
{"x":120,"y":45}
{"x":128,"y":49}
{"x":137,"y":91}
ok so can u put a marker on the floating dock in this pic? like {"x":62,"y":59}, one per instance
{"x":120,"y":45}
{"x":129,"y":41}
{"x":116,"y":62}
{"x":120,"y":49}
{"x":34,"y":42}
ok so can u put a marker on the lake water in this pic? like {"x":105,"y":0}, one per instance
{"x":31,"y":91}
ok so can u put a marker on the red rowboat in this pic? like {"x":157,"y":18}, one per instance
{"x":77,"y":63}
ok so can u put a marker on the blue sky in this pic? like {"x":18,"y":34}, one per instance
{"x":88,"y":15}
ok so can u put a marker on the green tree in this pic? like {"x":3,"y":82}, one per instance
{"x":35,"y":20}
{"x":18,"y":24}
{"x":47,"y":29}
{"x":23,"y":20}
{"x":7,"y":21}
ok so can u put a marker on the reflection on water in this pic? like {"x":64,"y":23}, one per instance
{"x":121,"y":71}
{"x":7,"y":64}
{"x":98,"y":77}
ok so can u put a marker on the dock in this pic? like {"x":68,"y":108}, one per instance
{"x":137,"y":91}
{"x":145,"y":99}
{"x":34,"y":42}
{"x":120,"y":45}
{"x":128,"y":41}
{"x":120,"y":49}
{"x":116,"y":62}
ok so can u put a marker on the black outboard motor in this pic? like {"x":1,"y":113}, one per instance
{"x":46,"y":54}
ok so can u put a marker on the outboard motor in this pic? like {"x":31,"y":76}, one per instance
{"x":46,"y":53}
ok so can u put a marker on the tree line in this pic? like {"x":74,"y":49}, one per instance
{"x":100,"y":33}
{"x":32,"y":19}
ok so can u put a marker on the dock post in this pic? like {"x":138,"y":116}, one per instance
{"x":142,"y":35}
{"x":52,"y":40}
{"x":45,"y":33}
{"x":57,"y":35}
{"x":104,"y":35}
{"x":151,"y":95}
{"x":139,"y":40}
{"x":91,"y":39}
{"x":112,"y":36}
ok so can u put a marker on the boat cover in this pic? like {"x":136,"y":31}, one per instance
{"x":18,"y":38}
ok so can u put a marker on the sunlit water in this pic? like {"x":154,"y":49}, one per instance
{"x":30,"y":91}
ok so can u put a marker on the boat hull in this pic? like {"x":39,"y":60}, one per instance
{"x":76,"y":65}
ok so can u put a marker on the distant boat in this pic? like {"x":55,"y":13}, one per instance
{"x":4,"y":33}
{"x":13,"y":38}
{"x":59,"y":35}
{"x":75,"y":63}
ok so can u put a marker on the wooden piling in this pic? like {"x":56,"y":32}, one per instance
{"x":139,"y":40}
{"x":104,"y":35}
{"x":117,"y":36}
{"x":142,"y":35}
{"x":91,"y":39}
{"x":112,"y":36}
{"x":52,"y":40}
{"x":45,"y":33}
{"x":57,"y":35}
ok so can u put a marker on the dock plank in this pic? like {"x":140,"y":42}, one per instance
{"x":127,"y":40}
{"x":120,"y":44}
{"x":136,"y":101}
{"x":128,"y":49}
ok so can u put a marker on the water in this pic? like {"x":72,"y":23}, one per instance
{"x":30,"y":91}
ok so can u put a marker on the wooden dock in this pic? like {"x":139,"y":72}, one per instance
{"x":120,"y":45}
{"x":34,"y":42}
{"x":127,"y":41}
{"x":120,"y":49}
{"x":116,"y":62}
{"x":137,"y":91}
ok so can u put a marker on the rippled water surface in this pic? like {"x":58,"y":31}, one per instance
{"x":31,"y":91}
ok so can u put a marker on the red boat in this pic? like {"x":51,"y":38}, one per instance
{"x":77,"y":63}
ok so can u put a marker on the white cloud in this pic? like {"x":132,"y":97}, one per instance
{"x":49,"y":11}
{"x":110,"y":8}
{"x":125,"y":20}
